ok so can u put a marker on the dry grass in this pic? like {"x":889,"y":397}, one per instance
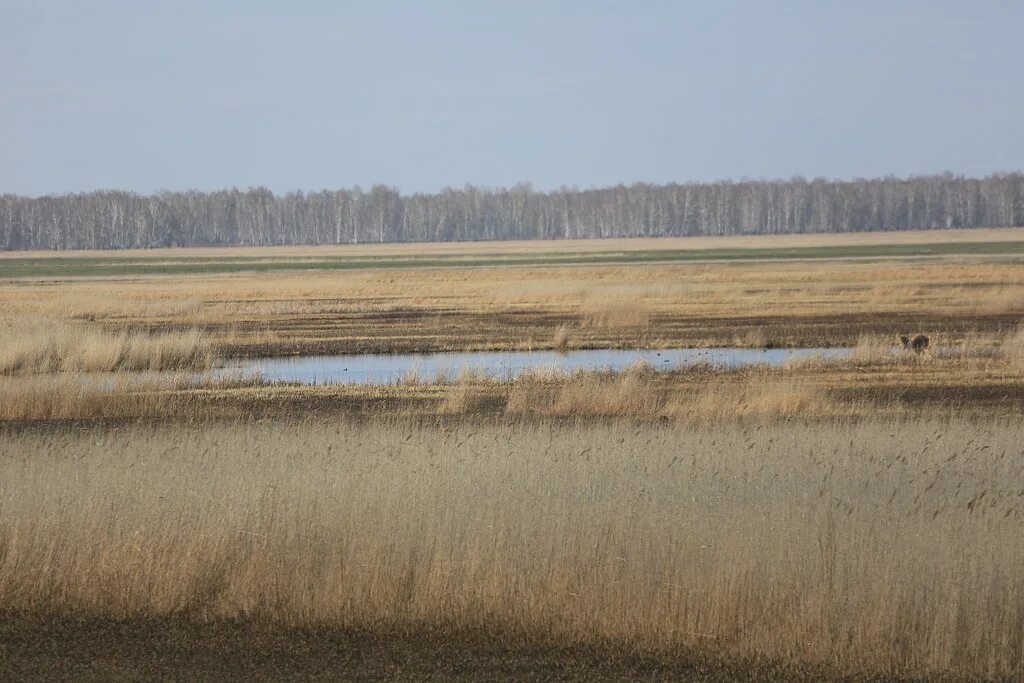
{"x":29,"y":347}
{"x":753,"y":338}
{"x":883,"y":547}
{"x":601,"y":313}
{"x":831,"y":302}
{"x":774,"y":398}
{"x":1004,"y":300}
{"x":464,"y":398}
{"x":1012,"y":348}
{"x":52,"y":397}
{"x":1005,"y":351}
{"x":552,"y":393}
{"x":980,"y":379}
{"x":641,"y":392}
{"x":62,"y":398}
{"x":560,"y":340}
{"x":873,"y":348}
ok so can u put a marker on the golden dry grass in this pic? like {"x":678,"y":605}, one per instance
{"x":875,"y":348}
{"x":725,"y":401}
{"x":890,"y":548}
{"x":966,"y":304}
{"x":641,"y":392}
{"x":977,"y":377}
{"x":560,"y":339}
{"x":585,"y":394}
{"x":613,"y":313}
{"x":830,"y":302}
{"x":47,"y":346}
{"x":764,"y":512}
{"x":62,"y":396}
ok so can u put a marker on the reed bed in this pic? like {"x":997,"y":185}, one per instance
{"x":883,"y":547}
{"x":694,"y":394}
{"x":53,"y":346}
{"x":119,"y":396}
{"x":70,"y":397}
{"x":1012,"y":348}
{"x":813,"y":388}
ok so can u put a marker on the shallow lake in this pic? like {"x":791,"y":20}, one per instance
{"x":371,"y":369}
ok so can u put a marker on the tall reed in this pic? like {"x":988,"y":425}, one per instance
{"x":55,"y":346}
{"x":884,"y":547}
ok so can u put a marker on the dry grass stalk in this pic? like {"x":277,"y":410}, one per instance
{"x":463,"y":398}
{"x":761,"y":398}
{"x":48,"y":347}
{"x":1012,"y":348}
{"x":604,"y":313}
{"x":560,"y":340}
{"x":642,"y":392}
{"x":1003,"y":300}
{"x":553,"y":393}
{"x":873,"y":349}
{"x":412,"y":377}
{"x":875,"y":547}
{"x":752,"y":337}
{"x":68,"y":397}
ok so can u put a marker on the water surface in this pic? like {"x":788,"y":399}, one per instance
{"x":376,"y":369}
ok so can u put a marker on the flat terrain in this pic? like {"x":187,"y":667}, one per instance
{"x":114,"y":264}
{"x":491,"y":248}
{"x":858,"y":519}
{"x":970,"y":304}
{"x":624,"y":294}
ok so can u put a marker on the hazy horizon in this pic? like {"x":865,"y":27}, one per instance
{"x":574,"y":94}
{"x":367,"y":188}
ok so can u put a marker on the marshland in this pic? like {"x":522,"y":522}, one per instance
{"x":527,"y":341}
{"x":855,"y":514}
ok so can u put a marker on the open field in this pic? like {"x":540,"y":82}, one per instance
{"x":859,"y":518}
{"x":161,"y":264}
{"x":887,"y":548}
{"x":377,"y":306}
{"x":542,"y":247}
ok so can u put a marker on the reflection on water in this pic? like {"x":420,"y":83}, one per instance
{"x":388,"y":369}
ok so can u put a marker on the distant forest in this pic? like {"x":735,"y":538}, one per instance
{"x":257,"y":216}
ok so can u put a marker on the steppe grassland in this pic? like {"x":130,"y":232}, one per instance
{"x":722,"y":304}
{"x":886,"y":546}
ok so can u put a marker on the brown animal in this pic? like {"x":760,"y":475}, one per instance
{"x":917,"y":344}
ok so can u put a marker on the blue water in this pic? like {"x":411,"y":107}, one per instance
{"x":376,"y":369}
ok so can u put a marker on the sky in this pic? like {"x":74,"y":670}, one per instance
{"x":145,"y":95}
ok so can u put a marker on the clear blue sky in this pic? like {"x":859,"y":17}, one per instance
{"x":421,"y":95}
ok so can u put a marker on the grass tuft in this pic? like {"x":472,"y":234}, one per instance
{"x":58,"y":347}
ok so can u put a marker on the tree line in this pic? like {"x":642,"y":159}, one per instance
{"x":257,"y":216}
